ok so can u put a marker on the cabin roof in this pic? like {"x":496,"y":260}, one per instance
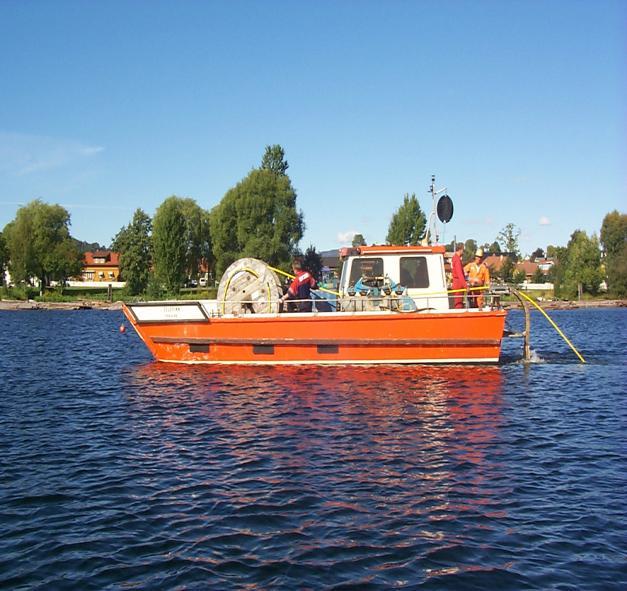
{"x":388,"y":249}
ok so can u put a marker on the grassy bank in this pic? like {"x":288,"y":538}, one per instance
{"x":97,"y":294}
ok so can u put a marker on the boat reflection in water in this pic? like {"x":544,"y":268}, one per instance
{"x":405,"y":457}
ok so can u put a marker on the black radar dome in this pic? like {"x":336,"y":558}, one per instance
{"x":445,"y":209}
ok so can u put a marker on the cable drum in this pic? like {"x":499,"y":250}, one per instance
{"x":249,"y":286}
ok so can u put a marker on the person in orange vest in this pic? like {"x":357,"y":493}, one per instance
{"x":459,"y":278}
{"x":478,"y":276}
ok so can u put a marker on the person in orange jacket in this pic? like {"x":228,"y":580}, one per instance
{"x":478,"y":276}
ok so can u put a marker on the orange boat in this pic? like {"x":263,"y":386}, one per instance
{"x":392,"y":307}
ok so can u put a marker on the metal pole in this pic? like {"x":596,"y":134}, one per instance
{"x":527,"y":333}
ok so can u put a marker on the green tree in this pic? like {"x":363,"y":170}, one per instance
{"x":312,"y":261}
{"x":582,"y":265}
{"x":358,"y":240}
{"x":197,"y":236}
{"x":538,"y":276}
{"x":508,"y":239}
{"x":134,"y":243}
{"x":274,"y":160}
{"x":551,"y":251}
{"x":495,"y":248}
{"x":39,"y":244}
{"x":4,"y":258}
{"x":169,"y":241}
{"x":538,"y":253}
{"x":408,"y":223}
{"x":257,"y":218}
{"x":614,"y":241}
{"x":518,"y":277}
{"x":556,"y":272}
{"x":506,"y":272}
{"x":470,"y":248}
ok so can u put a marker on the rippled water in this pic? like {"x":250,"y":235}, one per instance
{"x":117,"y":472}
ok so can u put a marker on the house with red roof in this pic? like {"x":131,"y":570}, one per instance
{"x":101,"y":266}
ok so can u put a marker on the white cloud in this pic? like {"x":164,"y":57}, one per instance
{"x":346,"y":238}
{"x":544,"y":221}
{"x":22,"y":154}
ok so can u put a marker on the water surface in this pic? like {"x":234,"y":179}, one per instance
{"x":119,"y":472}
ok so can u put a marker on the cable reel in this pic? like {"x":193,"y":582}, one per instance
{"x":249,"y":286}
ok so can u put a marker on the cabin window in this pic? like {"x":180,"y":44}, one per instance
{"x":371,"y":267}
{"x":414,"y":272}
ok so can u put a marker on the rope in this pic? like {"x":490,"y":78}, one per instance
{"x":335,"y":293}
{"x":557,"y":328}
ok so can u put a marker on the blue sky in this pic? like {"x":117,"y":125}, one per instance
{"x":519,"y":108}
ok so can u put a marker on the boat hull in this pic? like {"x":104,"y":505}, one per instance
{"x":326,"y":338}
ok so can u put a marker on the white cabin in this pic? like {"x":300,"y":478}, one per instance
{"x":419,"y":269}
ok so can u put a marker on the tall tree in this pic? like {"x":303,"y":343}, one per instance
{"x":197,"y":236}
{"x":551,"y":251}
{"x":582,"y":265}
{"x":274,"y":160}
{"x":408,"y":223}
{"x":495,"y":248}
{"x":556,"y":273}
{"x":312,"y":262}
{"x":134,"y":243}
{"x":614,"y":241}
{"x":4,"y":258}
{"x":508,"y":239}
{"x":506,"y":272}
{"x":257,"y":218}
{"x":169,"y":233}
{"x":470,"y":248}
{"x":40,"y":246}
{"x":358,"y":240}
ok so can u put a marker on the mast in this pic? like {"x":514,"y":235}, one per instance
{"x":432,"y":229}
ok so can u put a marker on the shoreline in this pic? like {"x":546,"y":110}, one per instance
{"x":571,"y":304}
{"x":18,"y":305}
{"x":21,"y":305}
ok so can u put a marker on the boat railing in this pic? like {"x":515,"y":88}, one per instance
{"x":353,"y":303}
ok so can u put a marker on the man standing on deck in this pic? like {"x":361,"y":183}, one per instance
{"x":300,"y":288}
{"x":478,"y":276}
{"x":459,"y":279}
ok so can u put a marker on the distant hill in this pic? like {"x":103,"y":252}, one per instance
{"x":87,"y":246}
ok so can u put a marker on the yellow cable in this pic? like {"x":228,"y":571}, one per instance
{"x":335,"y":293}
{"x":464,"y":290}
{"x":554,"y":325}
{"x":226,"y":289}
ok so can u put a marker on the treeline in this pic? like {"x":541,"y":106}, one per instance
{"x":586,"y":261}
{"x":37,"y":243}
{"x":580,"y":267}
{"x":257,"y":218}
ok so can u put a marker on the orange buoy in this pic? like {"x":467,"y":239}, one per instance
{"x":122,"y":328}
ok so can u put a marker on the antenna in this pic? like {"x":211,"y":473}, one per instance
{"x":432,"y":229}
